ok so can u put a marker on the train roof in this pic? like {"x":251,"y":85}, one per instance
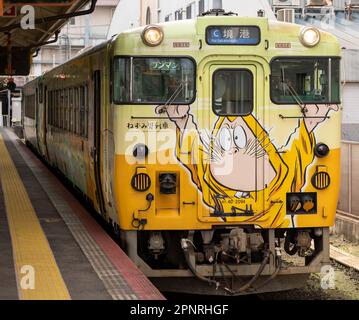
{"x":187,"y":38}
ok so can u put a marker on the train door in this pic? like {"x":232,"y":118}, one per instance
{"x":97,"y":140}
{"x":41,"y":119}
{"x":234,"y":175}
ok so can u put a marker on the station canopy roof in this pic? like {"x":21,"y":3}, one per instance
{"x":17,"y":45}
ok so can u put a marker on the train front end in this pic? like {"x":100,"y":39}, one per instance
{"x":227,"y":152}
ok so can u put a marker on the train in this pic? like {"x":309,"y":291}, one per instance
{"x":211,"y":147}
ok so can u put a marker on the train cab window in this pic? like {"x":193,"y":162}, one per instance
{"x":156,"y":80}
{"x":232,"y":92}
{"x":305,"y":80}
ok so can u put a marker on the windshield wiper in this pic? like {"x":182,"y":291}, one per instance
{"x":296,"y":97}
{"x":173,"y":97}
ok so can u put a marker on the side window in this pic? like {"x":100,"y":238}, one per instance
{"x":53,"y":107}
{"x":41,"y":92}
{"x":77,"y":111}
{"x":59,"y":108}
{"x":66,"y":109}
{"x":62,"y":109}
{"x":82,"y":111}
{"x":49,"y":104}
{"x":30,"y":106}
{"x":56,"y":107}
{"x":232,"y":92}
{"x":86,"y":111}
{"x":189,"y":12}
{"x":178,"y":15}
{"x":122,"y":79}
{"x":71,"y":109}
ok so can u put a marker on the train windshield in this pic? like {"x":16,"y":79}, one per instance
{"x":305,"y":80}
{"x":232,"y":92}
{"x":158,"y":80}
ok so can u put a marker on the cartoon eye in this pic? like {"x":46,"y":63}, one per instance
{"x":240,"y":137}
{"x":225,"y":139}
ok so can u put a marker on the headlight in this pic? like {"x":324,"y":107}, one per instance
{"x":152,"y":36}
{"x":310,"y":37}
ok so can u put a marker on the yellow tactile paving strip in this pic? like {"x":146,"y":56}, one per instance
{"x":30,"y":246}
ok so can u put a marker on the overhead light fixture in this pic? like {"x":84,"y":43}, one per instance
{"x":309,"y":36}
{"x":152,"y":36}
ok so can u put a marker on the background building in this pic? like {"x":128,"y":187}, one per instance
{"x":78,"y":33}
{"x":154,"y":11}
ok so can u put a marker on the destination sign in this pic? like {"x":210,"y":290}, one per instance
{"x":164,"y":66}
{"x":233,"y":35}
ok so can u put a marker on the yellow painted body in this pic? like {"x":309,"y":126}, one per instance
{"x":294,"y":168}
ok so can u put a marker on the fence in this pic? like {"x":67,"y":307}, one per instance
{"x":349,"y":190}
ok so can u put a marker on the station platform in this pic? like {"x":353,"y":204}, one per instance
{"x":51,"y":248}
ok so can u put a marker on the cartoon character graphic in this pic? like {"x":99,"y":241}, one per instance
{"x":225,"y":163}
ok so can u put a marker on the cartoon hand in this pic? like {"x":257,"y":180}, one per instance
{"x":317,"y":113}
{"x":176,"y":113}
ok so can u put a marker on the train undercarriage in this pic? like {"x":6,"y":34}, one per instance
{"x":230,"y":261}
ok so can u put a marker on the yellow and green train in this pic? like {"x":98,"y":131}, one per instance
{"x":211,"y":146}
